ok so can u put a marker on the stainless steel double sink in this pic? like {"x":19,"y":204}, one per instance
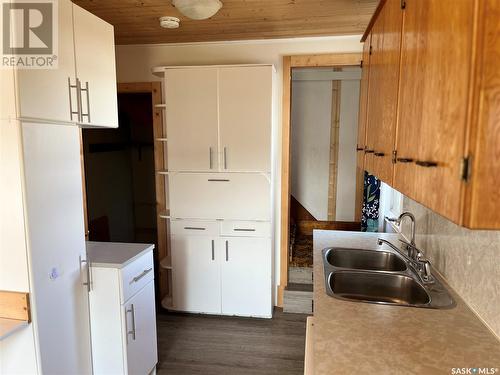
{"x":379,"y":276}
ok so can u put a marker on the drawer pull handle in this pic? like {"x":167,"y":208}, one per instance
{"x":218,"y":180}
{"x":244,"y":230}
{"x":404,"y":160}
{"x":427,"y":164}
{"x":213,"y":250}
{"x":369,"y":151}
{"x":378,"y":154}
{"x":227,"y":251}
{"x":144,"y":273}
{"x":360,"y":148}
{"x":194,"y":228}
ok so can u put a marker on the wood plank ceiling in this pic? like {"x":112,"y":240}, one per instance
{"x":136,"y":21}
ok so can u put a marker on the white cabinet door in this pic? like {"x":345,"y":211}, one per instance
{"x":245,"y":115}
{"x":195,"y":274}
{"x":230,"y":196}
{"x":192,"y":120}
{"x":54,"y":210}
{"x":140,"y":318}
{"x":44,"y":94}
{"x":246,"y":276}
{"x":95,"y":66}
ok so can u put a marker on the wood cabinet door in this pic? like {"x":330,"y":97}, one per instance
{"x":196,"y":274}
{"x":383,"y":115}
{"x":44,"y":94}
{"x":95,"y":68}
{"x":246,"y":276}
{"x":192,"y":119}
{"x":435,"y":71}
{"x":140,"y":323}
{"x":374,"y":94}
{"x":245,"y":117}
{"x":363,"y":104}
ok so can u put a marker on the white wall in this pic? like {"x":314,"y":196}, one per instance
{"x":310,"y":150}
{"x":311,"y":128}
{"x":134,"y":64}
{"x":346,"y":173}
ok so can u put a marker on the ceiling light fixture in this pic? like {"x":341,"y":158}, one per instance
{"x":198,"y":9}
{"x":168,"y":22}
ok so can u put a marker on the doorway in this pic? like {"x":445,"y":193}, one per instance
{"x":120,"y":175}
{"x":320,"y":187}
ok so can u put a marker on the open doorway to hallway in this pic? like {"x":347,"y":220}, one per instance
{"x":324,"y":118}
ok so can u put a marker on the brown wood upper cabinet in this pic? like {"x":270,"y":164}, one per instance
{"x":433,"y":105}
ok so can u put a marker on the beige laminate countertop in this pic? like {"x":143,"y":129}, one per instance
{"x":363,"y":338}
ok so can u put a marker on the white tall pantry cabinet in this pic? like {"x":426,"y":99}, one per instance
{"x":219,"y":123}
{"x":41,"y":220}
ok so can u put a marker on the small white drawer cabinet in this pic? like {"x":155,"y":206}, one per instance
{"x":122,"y":308}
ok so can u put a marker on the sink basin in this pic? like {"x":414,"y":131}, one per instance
{"x":376,"y":287}
{"x":365,"y":260}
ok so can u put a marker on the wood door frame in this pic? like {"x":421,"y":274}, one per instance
{"x":290,"y":62}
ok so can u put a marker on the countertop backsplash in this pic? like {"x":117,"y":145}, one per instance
{"x":468,"y":259}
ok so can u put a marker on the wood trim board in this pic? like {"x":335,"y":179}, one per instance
{"x":15,"y":305}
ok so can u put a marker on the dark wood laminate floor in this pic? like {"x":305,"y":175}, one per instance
{"x":201,"y":344}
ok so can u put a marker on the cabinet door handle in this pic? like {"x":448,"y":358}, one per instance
{"x":218,"y":180}
{"x":71,"y":112}
{"x":369,"y":151}
{"x":427,"y":164}
{"x":132,"y":312}
{"x":213,"y":250}
{"x":88,"y":283}
{"x":195,"y":228}
{"x":225,"y":157}
{"x":244,"y":229}
{"x":404,"y":160}
{"x":227,"y":251}
{"x":210,"y":156}
{"x":360,"y":148}
{"x":86,"y":89}
{"x":379,"y":154}
{"x":140,"y":276}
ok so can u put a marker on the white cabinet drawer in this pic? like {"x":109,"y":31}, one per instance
{"x":246,"y":228}
{"x":194,"y":228}
{"x":136,"y":275}
{"x":229,"y":196}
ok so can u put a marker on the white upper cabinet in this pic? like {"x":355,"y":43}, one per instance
{"x":44,"y":94}
{"x":191,"y":97}
{"x":245,"y":117}
{"x":219,"y":119}
{"x":95,"y":69}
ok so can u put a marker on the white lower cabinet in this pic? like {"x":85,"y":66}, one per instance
{"x":196,"y":274}
{"x":123,"y":316}
{"x":246,"y":276}
{"x":216,"y":272}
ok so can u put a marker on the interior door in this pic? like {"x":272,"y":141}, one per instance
{"x":54,"y":206}
{"x":383,"y":115}
{"x":195,"y":274}
{"x":245,"y":110}
{"x":192,"y":119}
{"x":140,"y":317}
{"x":45,"y":93}
{"x":432,"y":114}
{"x":246,"y":276}
{"x":95,"y":68}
